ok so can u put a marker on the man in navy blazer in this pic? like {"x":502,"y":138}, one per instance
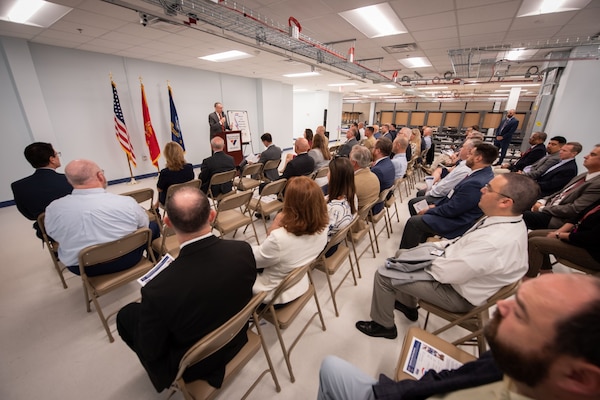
{"x":209,"y":282}
{"x":504,"y":133}
{"x":302,"y":164}
{"x":33,"y":193}
{"x":383,"y":167}
{"x":457,"y":212}
{"x":218,"y":162}
{"x":532,"y":154}
{"x":217,"y":120}
{"x":557,"y":176}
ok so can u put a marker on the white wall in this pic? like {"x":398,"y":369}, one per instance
{"x":64,"y":96}
{"x":574,"y":113}
{"x":309,"y":108}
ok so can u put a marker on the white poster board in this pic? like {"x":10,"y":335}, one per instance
{"x":238,"y":121}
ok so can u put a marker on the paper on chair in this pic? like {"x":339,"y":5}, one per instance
{"x":157,"y":269}
{"x":253,"y":158}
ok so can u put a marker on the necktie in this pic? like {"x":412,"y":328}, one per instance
{"x":559,"y":197}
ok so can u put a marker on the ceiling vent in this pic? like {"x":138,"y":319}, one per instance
{"x":400,"y":48}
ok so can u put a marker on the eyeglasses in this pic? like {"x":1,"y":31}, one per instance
{"x":488,"y":187}
{"x":57,"y":154}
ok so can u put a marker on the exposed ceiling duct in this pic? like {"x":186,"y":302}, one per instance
{"x":256,"y":31}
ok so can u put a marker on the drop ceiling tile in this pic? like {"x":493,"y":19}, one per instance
{"x":484,"y":27}
{"x":487,"y":39}
{"x":433,"y":34}
{"x":416,"y":8}
{"x":92,"y":19}
{"x":439,"y":44}
{"x":440,"y":20}
{"x":531,"y":36}
{"x":488,"y":13}
{"x":541,"y":21}
{"x":108,"y":44}
{"x":64,"y":36}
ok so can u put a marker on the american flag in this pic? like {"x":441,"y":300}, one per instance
{"x":120,"y":128}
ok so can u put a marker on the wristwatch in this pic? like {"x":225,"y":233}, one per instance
{"x":557,"y":235}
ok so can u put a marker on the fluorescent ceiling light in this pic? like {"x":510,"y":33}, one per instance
{"x":343,"y":84}
{"x":389,"y":86}
{"x":302,"y":74}
{"x":537,"y":7}
{"x":366,"y":90}
{"x":516,"y":54}
{"x":415,"y":62}
{"x":499,"y":95}
{"x":226,"y":56}
{"x":375,"y":21}
{"x":521,"y":85}
{"x":508,"y":90}
{"x":34,"y":12}
{"x":433,"y":87}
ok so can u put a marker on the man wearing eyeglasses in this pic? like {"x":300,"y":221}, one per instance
{"x":33,"y":193}
{"x":465,"y":272}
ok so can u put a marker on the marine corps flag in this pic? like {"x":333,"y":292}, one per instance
{"x":150,"y":135}
{"x":175,"y":128}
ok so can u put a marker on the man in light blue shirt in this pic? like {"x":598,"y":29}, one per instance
{"x":91,"y":215}
{"x":400,"y":162}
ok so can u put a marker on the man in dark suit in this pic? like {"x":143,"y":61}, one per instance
{"x":557,"y":176}
{"x":553,"y":211}
{"x":542,"y":165}
{"x":217,"y":120}
{"x":33,"y":193}
{"x":383,"y":167}
{"x":302,"y":164}
{"x":351,"y":135}
{"x":531,"y":155}
{"x":271,"y":152}
{"x":218,"y":162}
{"x":207,"y":284}
{"x":457,"y":212}
{"x":504,"y":133}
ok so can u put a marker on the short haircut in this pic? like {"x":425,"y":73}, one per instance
{"x":38,"y":154}
{"x":81,"y":172}
{"x":541,"y":135}
{"x":174,"y":156}
{"x":577,"y":147}
{"x":393,"y":126}
{"x":559,"y":139}
{"x":400,"y":143}
{"x":266,"y":137}
{"x":361,"y":155}
{"x":578,"y":335}
{"x":355,"y":132}
{"x":476,"y":135}
{"x":523,"y":191}
{"x":475,"y":127}
{"x":341,"y":181}
{"x":188,"y":215}
{"x":487,"y":151}
{"x":304,"y":208}
{"x":384,"y":145}
{"x":308,"y":134}
{"x":217,"y":103}
{"x":370,"y":129}
{"x":217,"y":143}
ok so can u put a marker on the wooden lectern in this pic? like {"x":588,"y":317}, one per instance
{"x":233,"y":145}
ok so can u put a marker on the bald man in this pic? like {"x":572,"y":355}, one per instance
{"x":302,"y":164}
{"x":91,"y":215}
{"x":218,"y":162}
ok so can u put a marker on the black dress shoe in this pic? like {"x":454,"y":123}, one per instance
{"x":259,"y":216}
{"x":372,"y":328}
{"x":410,"y":313}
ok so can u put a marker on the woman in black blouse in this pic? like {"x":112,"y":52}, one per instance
{"x":177,"y":171}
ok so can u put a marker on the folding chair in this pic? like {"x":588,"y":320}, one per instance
{"x":320,"y":173}
{"x":167,"y":242}
{"x":269,"y":166}
{"x":142,"y":195}
{"x":284,"y":315}
{"x":265,"y":204}
{"x":330,"y":265}
{"x":375,"y":218}
{"x":246,"y":181}
{"x":213,"y":342}
{"x":571,"y":264}
{"x":220,"y":179}
{"x":360,"y":228}
{"x":472,"y":321}
{"x":96,"y":286}
{"x":392,"y":200}
{"x":52,"y":247}
{"x":233,"y":213}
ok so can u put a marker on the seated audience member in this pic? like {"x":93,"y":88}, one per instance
{"x":553,"y":211}
{"x":217,"y":163}
{"x":576,"y":241}
{"x":400,"y":162}
{"x":455,"y":213}
{"x":321,"y":131}
{"x":392,"y":132}
{"x":351,"y":136}
{"x":271,"y":152}
{"x":553,"y":147}
{"x":369,"y":140}
{"x":360,"y":127}
{"x":415,"y":142}
{"x":320,"y":154}
{"x":296,"y":237}
{"x":427,"y":144}
{"x":556,"y":177}
{"x":365,"y":181}
{"x":91,"y":215}
{"x":33,"y":193}
{"x":489,"y":256}
{"x":209,"y":282}
{"x":302,"y":164}
{"x":544,"y":341}
{"x":406,"y":133}
{"x":531,"y":155}
{"x":387,"y":132}
{"x":308,"y":135}
{"x":341,"y":202}
{"x":442,"y":187}
{"x":383,"y":167}
{"x":177,"y":171}
{"x":376,"y":132}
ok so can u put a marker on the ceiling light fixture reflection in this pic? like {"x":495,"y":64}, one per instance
{"x":226,"y":56}
{"x":537,"y":7}
{"x":343,"y":84}
{"x":302,"y":74}
{"x":375,"y":21}
{"x":415,"y":62}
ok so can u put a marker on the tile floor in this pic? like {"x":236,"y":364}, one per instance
{"x":53,"y":349}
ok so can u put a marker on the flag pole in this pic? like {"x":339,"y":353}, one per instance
{"x":132,"y":181}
